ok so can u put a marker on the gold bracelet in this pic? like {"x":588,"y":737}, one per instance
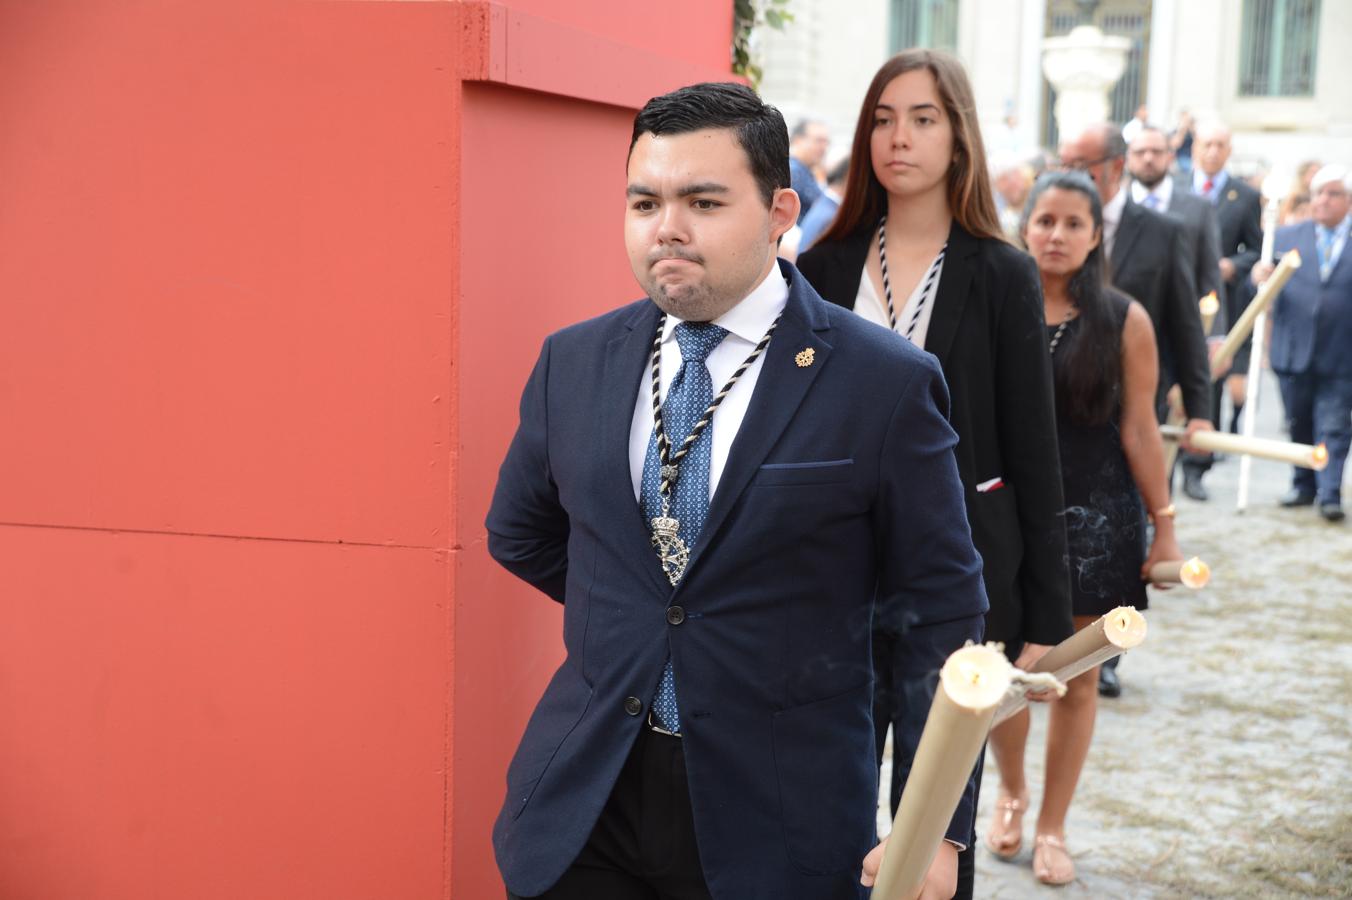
{"x":1167,"y":512}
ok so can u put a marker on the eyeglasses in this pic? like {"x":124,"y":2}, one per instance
{"x":1084,"y":165}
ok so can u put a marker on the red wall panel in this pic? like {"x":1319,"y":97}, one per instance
{"x":226,"y":283}
{"x":272,"y":276}
{"x":544,"y":188}
{"x":219,"y":718}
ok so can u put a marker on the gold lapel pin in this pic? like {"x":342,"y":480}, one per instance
{"x":1233,"y":195}
{"x":805,"y":357}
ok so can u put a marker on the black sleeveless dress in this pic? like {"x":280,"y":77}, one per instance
{"x":1105,"y":518}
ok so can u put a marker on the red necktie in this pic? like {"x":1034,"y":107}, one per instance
{"x":1206,"y":188}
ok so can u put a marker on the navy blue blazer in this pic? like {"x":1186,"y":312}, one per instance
{"x":840,"y":489}
{"x":1312,"y":319}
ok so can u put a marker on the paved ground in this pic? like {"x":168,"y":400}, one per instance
{"x":1225,"y":768}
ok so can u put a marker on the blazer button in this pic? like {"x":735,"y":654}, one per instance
{"x":675,"y":615}
{"x":633,"y":705}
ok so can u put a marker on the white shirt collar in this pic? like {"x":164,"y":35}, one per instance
{"x":1112,"y":210}
{"x":1164,"y":191}
{"x":752,"y":316}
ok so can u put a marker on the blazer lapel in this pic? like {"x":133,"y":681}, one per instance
{"x":1128,"y":231}
{"x":954,"y":284}
{"x":625,"y":364}
{"x":780,"y":389}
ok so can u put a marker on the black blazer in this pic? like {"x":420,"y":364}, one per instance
{"x":1201,"y":236}
{"x":1239,"y":212}
{"x":989,"y":332}
{"x":1150,"y":262}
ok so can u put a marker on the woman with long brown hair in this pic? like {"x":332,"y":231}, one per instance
{"x":916,"y":247}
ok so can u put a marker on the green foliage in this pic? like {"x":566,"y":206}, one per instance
{"x":746,"y":16}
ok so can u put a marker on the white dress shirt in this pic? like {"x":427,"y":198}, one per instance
{"x":1112,"y":215}
{"x":746,"y":323}
{"x":868,"y":304}
{"x":1163,"y":192}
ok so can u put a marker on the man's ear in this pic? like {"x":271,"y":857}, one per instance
{"x":784,"y":206}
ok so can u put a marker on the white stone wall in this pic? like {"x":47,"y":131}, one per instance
{"x":821,"y":65}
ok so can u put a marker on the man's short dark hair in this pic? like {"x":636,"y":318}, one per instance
{"x":760,"y":128}
{"x":800,"y":129}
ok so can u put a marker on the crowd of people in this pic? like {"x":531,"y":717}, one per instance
{"x":777,"y":596}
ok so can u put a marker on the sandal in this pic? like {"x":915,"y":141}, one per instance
{"x":1005,"y":838}
{"x":1051,"y":860}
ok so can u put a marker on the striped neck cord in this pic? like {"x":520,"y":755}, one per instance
{"x":670,"y":462}
{"x":931,"y":281}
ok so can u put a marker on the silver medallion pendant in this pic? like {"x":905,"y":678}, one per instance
{"x":671,"y":550}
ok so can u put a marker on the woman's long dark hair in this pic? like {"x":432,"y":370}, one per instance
{"x":969,"y":185}
{"x":1088,"y":368}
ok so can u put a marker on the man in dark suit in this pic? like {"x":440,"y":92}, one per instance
{"x":1239,"y":216}
{"x":1148,"y":161}
{"x":720,"y":561}
{"x":1149,"y":260}
{"x":1312,"y":338}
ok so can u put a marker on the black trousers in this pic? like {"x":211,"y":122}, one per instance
{"x":643,"y":846}
{"x":892,"y":691}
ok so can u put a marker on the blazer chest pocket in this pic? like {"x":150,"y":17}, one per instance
{"x":830,"y":471}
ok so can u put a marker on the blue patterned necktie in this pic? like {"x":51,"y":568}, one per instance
{"x":1152,"y":202}
{"x":690,"y":393}
{"x":1325,"y":248}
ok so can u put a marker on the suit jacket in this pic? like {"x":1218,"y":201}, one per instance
{"x":839,"y":488}
{"x":1201,"y":237}
{"x":1312,"y":319}
{"x":1239,"y":216}
{"x":1150,"y":262}
{"x":988,"y":331}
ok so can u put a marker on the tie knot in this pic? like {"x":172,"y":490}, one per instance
{"x":698,"y":339}
{"x":1206,"y":188}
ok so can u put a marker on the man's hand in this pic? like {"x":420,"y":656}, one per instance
{"x":872,"y":863}
{"x":941,"y":881}
{"x":1194,"y":426}
{"x":1260,"y":271}
{"x":1227,"y":269}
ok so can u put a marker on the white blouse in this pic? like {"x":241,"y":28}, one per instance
{"x":868,"y":304}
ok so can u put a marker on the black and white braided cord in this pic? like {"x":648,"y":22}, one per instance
{"x":670,"y":461}
{"x":930,"y":282}
{"x":887,"y":285}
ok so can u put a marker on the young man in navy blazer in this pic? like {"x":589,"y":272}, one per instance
{"x":709,"y":733}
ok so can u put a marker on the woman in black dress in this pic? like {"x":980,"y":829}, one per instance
{"x":1112,"y":459}
{"x":917,"y":247}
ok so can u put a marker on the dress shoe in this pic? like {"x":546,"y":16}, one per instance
{"x":1333,"y":512}
{"x":1192,"y":485}
{"x":1296,"y":497}
{"x":1109,"y":686}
